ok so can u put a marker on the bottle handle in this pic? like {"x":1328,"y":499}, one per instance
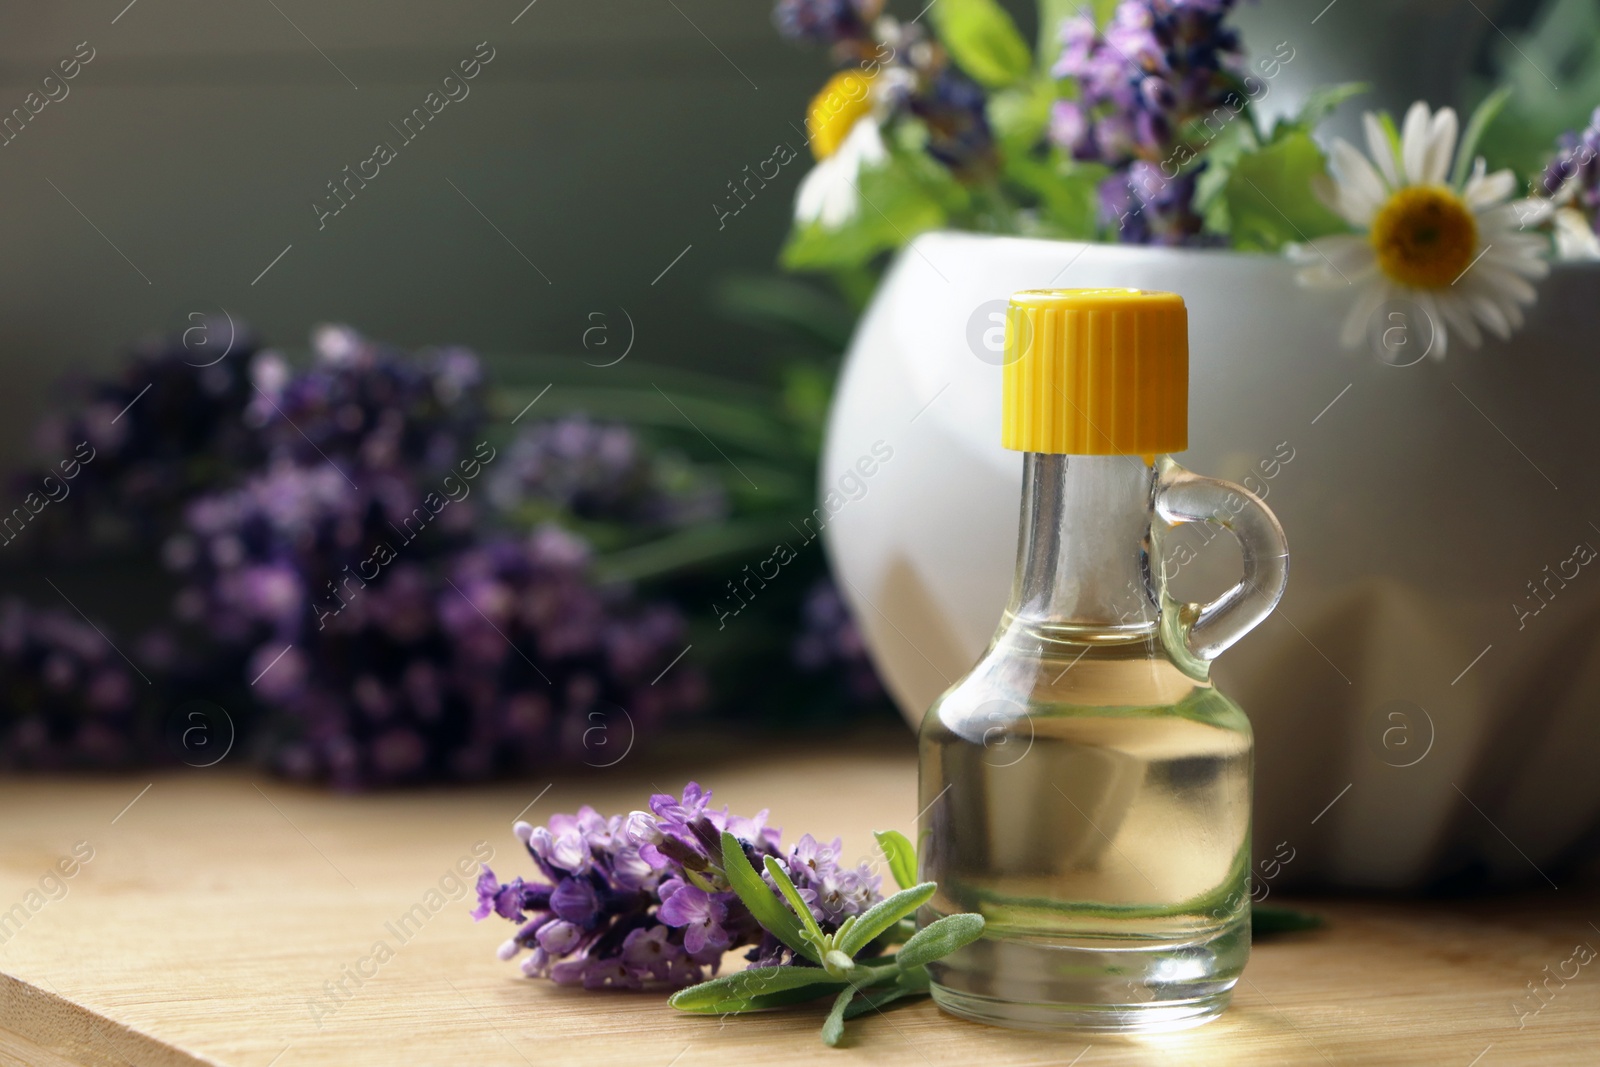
{"x":1196,"y":634}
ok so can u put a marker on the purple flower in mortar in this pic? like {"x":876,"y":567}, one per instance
{"x":1158,"y":66}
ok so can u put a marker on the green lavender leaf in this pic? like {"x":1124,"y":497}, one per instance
{"x":1320,"y":103}
{"x":780,"y":875}
{"x":901,"y":856}
{"x":833,"y":1028}
{"x":884,"y":914}
{"x":1482,"y":116}
{"x":911,"y":983}
{"x":983,"y":40}
{"x":1269,"y":197}
{"x":753,"y":989}
{"x":691,"y":547}
{"x":940,"y":938}
{"x":768,"y":910}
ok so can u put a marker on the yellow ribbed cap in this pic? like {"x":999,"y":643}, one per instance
{"x":1096,"y":372}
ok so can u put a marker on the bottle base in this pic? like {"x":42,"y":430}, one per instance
{"x":1098,"y":1018}
{"x":1112,"y":985}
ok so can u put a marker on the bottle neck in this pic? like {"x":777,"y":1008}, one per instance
{"x":1083,"y":550}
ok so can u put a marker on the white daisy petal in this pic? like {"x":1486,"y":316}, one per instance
{"x":1456,"y":314}
{"x":1414,"y":143}
{"x":815,"y":187}
{"x":1361,"y":191}
{"x":1347,"y":252}
{"x":1512,"y":244}
{"x":1513,"y":315}
{"x":867,"y":141}
{"x":1496,"y":278}
{"x":1508,"y":218}
{"x":828,"y":192}
{"x":1441,"y":147}
{"x":1354,"y":328}
{"x":1488,"y":191}
{"x":808,"y":198}
{"x":1334,"y":262}
{"x":1575,"y":238}
{"x":1326,"y":190}
{"x":1529,"y":266}
{"x":1379,"y":149}
{"x":1441,"y":329}
{"x":1534,"y":211}
{"x":1489,"y":313}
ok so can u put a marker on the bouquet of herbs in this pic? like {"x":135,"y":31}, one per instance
{"x":1136,"y":121}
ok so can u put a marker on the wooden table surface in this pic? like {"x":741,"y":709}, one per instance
{"x":219,"y":908}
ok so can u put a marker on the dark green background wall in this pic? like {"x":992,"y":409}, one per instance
{"x":596,"y":141}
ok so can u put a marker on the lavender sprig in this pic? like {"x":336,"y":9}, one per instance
{"x":857,"y":986}
{"x":657,"y":898}
{"x":641,"y":900}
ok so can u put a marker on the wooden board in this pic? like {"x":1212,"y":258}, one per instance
{"x":219,"y":909}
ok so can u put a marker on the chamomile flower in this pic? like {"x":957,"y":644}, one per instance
{"x":845,"y":137}
{"x":1457,"y":251}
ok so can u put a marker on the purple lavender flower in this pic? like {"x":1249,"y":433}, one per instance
{"x":599,"y":471}
{"x":493,"y":659}
{"x":362,"y":405}
{"x":825,"y":21}
{"x":954,"y":110}
{"x":167,"y":426}
{"x":699,"y":914}
{"x":1158,"y":66}
{"x":390,"y":641}
{"x":67,"y":699}
{"x":833,"y":891}
{"x":1573,"y":176}
{"x":636,"y":900}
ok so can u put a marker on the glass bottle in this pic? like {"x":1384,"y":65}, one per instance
{"x":1085,"y":788}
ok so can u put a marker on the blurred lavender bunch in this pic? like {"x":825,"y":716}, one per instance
{"x":363,"y":405}
{"x":367,"y":453}
{"x":643,"y":900}
{"x":1158,"y":66}
{"x":275,"y":557}
{"x":391,"y":641}
{"x":168,"y":426}
{"x":830,"y":642}
{"x":599,"y":472}
{"x":506,"y":659}
{"x":70,"y":700}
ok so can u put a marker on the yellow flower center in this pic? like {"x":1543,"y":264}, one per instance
{"x":1425,"y":236}
{"x":843,"y":101}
